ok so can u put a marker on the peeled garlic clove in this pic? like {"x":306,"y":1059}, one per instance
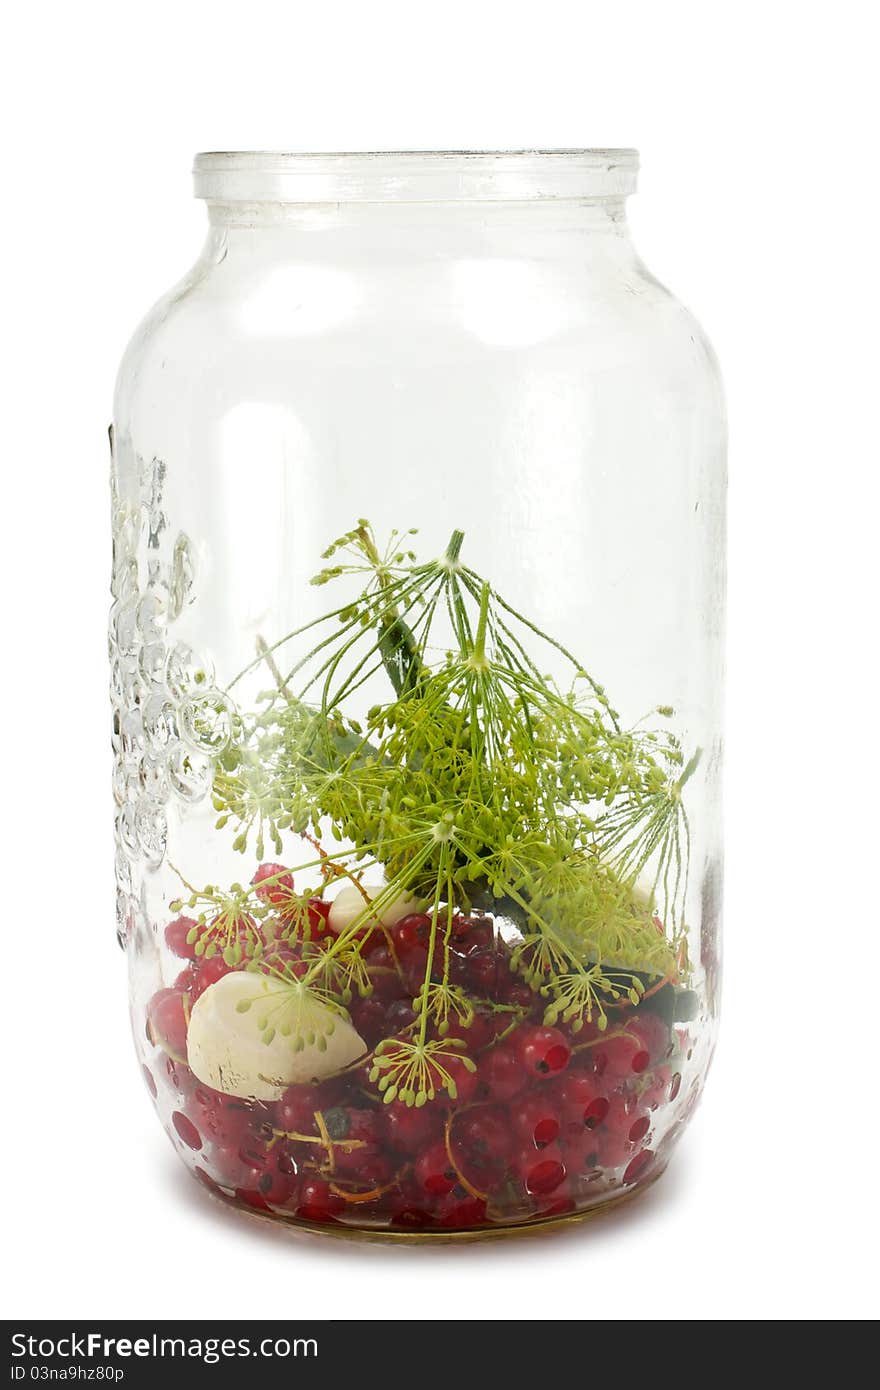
{"x":347,"y":906}
{"x":398,"y":908}
{"x":226,"y":1049}
{"x":351,"y":902}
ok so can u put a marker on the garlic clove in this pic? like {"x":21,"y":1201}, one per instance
{"x":400,"y":907}
{"x":350,"y":904}
{"x":225,"y":1041}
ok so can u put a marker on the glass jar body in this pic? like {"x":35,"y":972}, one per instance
{"x":420,"y":898}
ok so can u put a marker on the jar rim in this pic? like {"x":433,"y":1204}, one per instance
{"x":255,"y":176}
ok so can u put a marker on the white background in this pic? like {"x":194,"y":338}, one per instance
{"x":758,"y":206}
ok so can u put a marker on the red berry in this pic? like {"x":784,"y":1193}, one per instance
{"x":620,"y":1115}
{"x":477,"y":1035}
{"x":479,"y":972}
{"x":638,"y":1166}
{"x":519,"y":994}
{"x":407,"y":1205}
{"x":208,"y":972}
{"x":398,"y":1015}
{"x":655,"y":1092}
{"x":534,"y":1118}
{"x":595,"y":1112}
{"x":581,"y":1100}
{"x":369,"y":1167}
{"x":287,"y":1160}
{"x":580,"y":1149}
{"x":254,"y":1150}
{"x":409,"y":1127}
{"x":280,"y":1184}
{"x":205,"y":1179}
{"x":227,"y":1164}
{"x":250,"y":1193}
{"x":265,"y":1175}
{"x":316,"y":1201}
{"x":653,"y":1033}
{"x":206,"y":1098}
{"x":221,"y":1119}
{"x":481,"y":1141}
{"x":471,"y":934}
{"x":612,"y":1148}
{"x":295,"y":1111}
{"x":186,"y":1130}
{"x":621,"y":1055}
{"x":413,"y":963}
{"x":542,"y":1170}
{"x":500,"y":1073}
{"x":384,"y":975}
{"x":368,"y":1017}
{"x":461,"y":1212}
{"x":361,"y":1128}
{"x":184,"y":981}
{"x":544,"y":1051}
{"x":168,"y":1021}
{"x":261,"y":1186}
{"x":274,"y":884}
{"x":319,"y":916}
{"x":465,"y":1080}
{"x":414,"y":930}
{"x":179,"y":1077}
{"x":559,"y":1203}
{"x":408,"y":1215}
{"x":376,"y":946}
{"x":175,"y":937}
{"x":434,"y":1172}
{"x":588,"y":1033}
{"x":638,"y":1129}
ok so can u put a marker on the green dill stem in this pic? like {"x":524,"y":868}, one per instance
{"x":532,"y":627}
{"x":480,"y":639}
{"x":548,"y":931}
{"x":442,"y":869}
{"x":266,"y":653}
{"x":453,"y":549}
{"x":690,"y":769}
{"x":352,"y":626}
{"x":396,"y":642}
{"x":282,"y":641}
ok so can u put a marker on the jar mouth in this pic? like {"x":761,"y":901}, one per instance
{"x":420,"y":176}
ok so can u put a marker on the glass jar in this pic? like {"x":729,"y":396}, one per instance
{"x":418,"y":578}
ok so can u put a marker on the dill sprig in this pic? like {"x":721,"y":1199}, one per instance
{"x":481,"y":782}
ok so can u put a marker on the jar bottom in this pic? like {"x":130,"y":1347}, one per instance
{"x":534,"y":1226}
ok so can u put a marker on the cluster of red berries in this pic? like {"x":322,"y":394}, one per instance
{"x":547,"y":1121}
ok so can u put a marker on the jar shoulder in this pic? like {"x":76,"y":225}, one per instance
{"x":158,"y":330}
{"x":301,"y":313}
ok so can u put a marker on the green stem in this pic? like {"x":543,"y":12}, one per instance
{"x":480,"y":639}
{"x":453,"y":549}
{"x":398,"y":646}
{"x":691,"y":768}
{"x":266,"y":653}
{"x":432,"y":943}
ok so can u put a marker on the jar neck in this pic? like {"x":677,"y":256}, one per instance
{"x":434,"y":177}
{"x":421,"y":220}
